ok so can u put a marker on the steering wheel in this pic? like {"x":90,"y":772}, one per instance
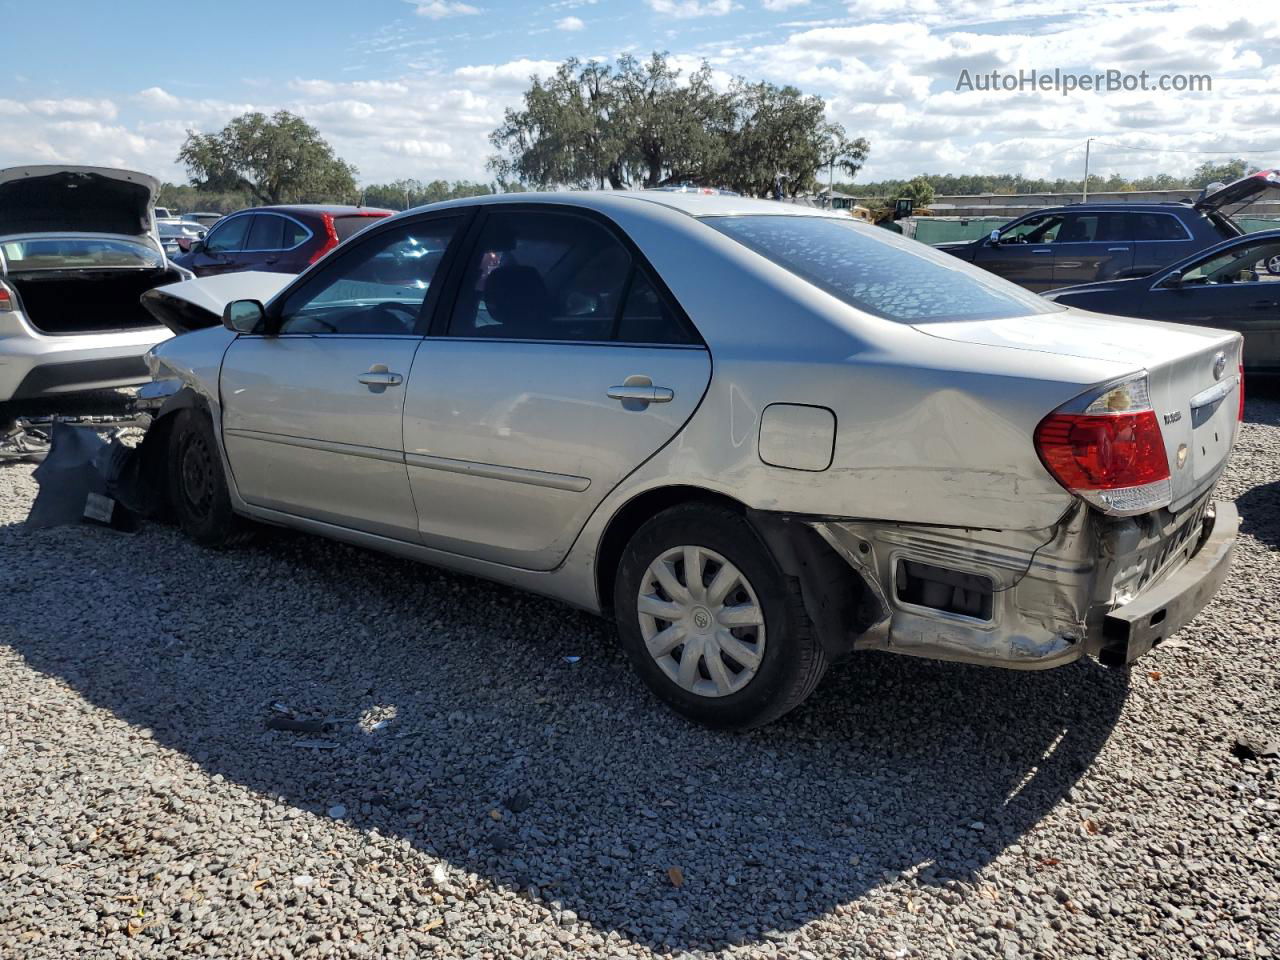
{"x":392,"y":312}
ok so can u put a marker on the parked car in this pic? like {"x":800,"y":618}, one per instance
{"x":206,"y":218}
{"x":77,"y":249}
{"x":276,"y":239}
{"x":760,"y":436}
{"x":164,"y":213}
{"x":176,"y":236}
{"x":1085,"y":242}
{"x":1230,"y":287}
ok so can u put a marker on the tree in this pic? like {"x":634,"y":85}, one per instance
{"x":403,"y":194}
{"x":919,"y":191}
{"x":644,"y":123}
{"x":1208,"y":173}
{"x":276,"y":159}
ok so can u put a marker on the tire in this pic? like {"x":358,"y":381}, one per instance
{"x":715,"y":689}
{"x":198,"y":493}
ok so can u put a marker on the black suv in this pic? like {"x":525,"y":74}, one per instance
{"x":1063,"y":246}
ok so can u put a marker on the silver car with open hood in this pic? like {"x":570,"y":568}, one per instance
{"x":759,"y":436}
{"x":78,"y":246}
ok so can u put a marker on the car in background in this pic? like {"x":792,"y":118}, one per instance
{"x":206,"y":218}
{"x":694,"y":414}
{"x":178,"y":235}
{"x":164,"y":213}
{"x":276,"y":239}
{"x":1084,"y":242}
{"x":1231,"y":286}
{"x":77,"y":250}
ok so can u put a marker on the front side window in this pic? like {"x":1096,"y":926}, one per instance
{"x":228,"y":236}
{"x":542,"y":276}
{"x":1257,"y":262}
{"x":378,"y":289}
{"x":880,"y":272}
{"x":1039,"y":229}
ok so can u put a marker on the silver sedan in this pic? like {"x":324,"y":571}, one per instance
{"x":759,"y":436}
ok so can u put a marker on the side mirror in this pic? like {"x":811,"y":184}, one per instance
{"x":196,"y":246}
{"x":993,"y":238}
{"x":243,"y":316}
{"x":1173,"y":280}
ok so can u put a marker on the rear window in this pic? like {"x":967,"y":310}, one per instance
{"x":350,"y":226}
{"x":875,"y":270}
{"x":72,"y":253}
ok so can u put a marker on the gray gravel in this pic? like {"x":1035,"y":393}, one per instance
{"x":480,"y":795}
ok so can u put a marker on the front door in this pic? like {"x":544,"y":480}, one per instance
{"x":220,"y":251}
{"x":312,"y":408}
{"x":1023,"y":253}
{"x":563,"y":366}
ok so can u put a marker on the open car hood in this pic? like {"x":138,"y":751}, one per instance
{"x":1240,"y":191}
{"x":195,"y":304}
{"x":63,"y":199}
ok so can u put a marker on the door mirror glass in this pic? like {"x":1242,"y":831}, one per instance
{"x":195,"y":246}
{"x":994,"y":238}
{"x":1174,"y":279}
{"x":243,"y":316}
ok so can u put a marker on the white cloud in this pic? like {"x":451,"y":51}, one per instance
{"x":778,"y":6}
{"x":439,"y":9}
{"x":570,"y":24}
{"x":684,"y":9}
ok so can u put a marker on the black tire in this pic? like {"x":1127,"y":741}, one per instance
{"x":198,"y":493}
{"x":793,"y":660}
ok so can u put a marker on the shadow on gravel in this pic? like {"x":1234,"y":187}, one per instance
{"x":1260,"y":513}
{"x":893,"y":765}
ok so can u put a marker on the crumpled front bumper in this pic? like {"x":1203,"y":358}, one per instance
{"x":1133,"y":628}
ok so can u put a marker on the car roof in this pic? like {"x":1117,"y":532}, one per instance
{"x":336,"y":209}
{"x":694,"y":204}
{"x":1167,"y":206}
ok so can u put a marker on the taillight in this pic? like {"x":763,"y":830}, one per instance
{"x":1108,"y":449}
{"x":6,"y":299}
{"x":1240,"y":389}
{"x":330,"y":238}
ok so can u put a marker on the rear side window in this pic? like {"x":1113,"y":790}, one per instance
{"x":267,"y":232}
{"x":1094,"y":228}
{"x":1156,"y":226}
{"x":880,"y":272}
{"x":349,"y":226}
{"x":554,"y":276}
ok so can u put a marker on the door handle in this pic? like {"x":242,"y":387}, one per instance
{"x":1042,"y":250}
{"x":649,"y":394}
{"x":381,"y":379}
{"x":1264,"y":305}
{"x":1117,"y":249}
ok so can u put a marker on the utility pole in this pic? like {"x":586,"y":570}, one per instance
{"x":1085,"y":197}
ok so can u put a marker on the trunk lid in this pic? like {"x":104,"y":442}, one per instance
{"x":1239,"y":191}
{"x":67,"y":199}
{"x":1192,"y":373}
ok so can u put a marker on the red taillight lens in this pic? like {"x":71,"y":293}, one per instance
{"x":1086,"y":452}
{"x":6,"y":298}
{"x":330,"y":239}
{"x":1240,"y":388}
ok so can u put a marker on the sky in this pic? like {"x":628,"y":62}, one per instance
{"x":412,"y":88}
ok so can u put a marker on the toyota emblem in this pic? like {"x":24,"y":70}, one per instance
{"x":1219,"y":365}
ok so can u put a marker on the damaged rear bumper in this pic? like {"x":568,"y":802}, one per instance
{"x":1133,"y":628}
{"x":1090,"y":586}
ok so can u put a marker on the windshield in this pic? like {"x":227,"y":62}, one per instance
{"x":78,"y":253}
{"x":880,"y":272}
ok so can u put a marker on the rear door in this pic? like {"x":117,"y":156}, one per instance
{"x":270,"y":239}
{"x":1091,"y":246}
{"x":1023,"y":253}
{"x":562,"y":366}
{"x":312,"y":413}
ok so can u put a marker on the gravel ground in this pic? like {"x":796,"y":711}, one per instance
{"x":484,"y":795}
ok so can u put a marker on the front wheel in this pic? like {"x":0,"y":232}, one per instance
{"x":711,"y":623}
{"x":198,"y":485}
{"x":1273,"y":266}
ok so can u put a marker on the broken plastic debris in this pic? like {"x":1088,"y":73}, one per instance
{"x":572,"y":659}
{"x":302,"y":881}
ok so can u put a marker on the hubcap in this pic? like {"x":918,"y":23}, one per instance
{"x":701,"y":621}
{"x":1273,"y":265}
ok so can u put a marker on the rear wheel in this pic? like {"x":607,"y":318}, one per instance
{"x":198,"y":485}
{"x":710,"y":621}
